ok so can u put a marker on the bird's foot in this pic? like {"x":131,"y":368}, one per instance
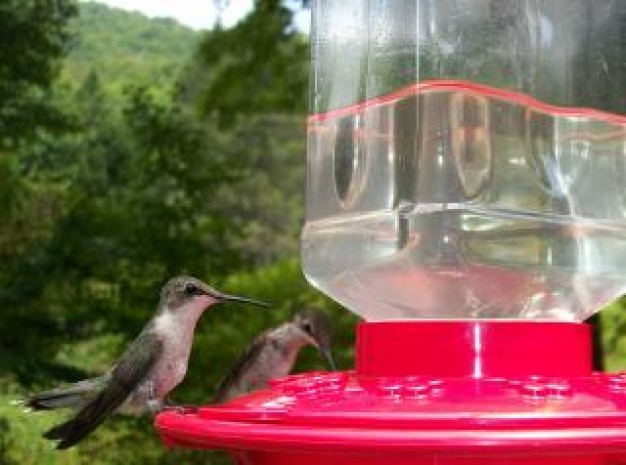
{"x":182,"y":409}
{"x":179,"y":408}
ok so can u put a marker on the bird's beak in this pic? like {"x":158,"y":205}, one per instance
{"x":325,"y":351}
{"x":329,"y":358}
{"x":234,"y":298}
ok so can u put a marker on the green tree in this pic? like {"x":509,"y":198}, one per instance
{"x":125,"y":48}
{"x":258,"y":66}
{"x":33,"y":37}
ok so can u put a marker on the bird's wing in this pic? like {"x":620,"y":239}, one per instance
{"x":229,"y":384}
{"x":135,"y":364}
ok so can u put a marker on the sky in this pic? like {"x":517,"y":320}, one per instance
{"x":197,"y":14}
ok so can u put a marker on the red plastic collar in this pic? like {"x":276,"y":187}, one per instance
{"x":474,"y":349}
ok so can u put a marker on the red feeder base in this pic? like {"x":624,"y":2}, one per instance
{"x":462,"y":392}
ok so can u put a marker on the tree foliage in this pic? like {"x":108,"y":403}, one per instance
{"x":258,"y":66}
{"x":124,"y":47}
{"x":34,"y":36}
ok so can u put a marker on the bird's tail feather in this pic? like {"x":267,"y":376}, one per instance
{"x":74,"y":396}
{"x":90,"y":416}
{"x":59,"y":431}
{"x":72,"y":431}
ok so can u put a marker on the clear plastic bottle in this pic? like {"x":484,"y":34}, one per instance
{"x":467,"y":158}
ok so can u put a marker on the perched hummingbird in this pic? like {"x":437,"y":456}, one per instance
{"x":273,"y":353}
{"x":152,"y":365}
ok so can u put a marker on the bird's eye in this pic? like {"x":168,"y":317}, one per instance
{"x":191,"y":289}
{"x":307,"y":327}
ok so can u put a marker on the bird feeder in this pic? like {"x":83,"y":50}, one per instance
{"x":466,"y":196}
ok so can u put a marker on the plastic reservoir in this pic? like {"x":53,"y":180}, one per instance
{"x":467,"y":159}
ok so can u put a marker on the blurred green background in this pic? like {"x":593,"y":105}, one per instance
{"x":132,"y":150}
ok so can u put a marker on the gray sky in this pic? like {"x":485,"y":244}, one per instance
{"x":198,"y":14}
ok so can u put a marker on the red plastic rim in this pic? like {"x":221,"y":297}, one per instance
{"x":435,"y":85}
{"x":195,"y":432}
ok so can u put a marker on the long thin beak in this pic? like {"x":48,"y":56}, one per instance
{"x":235,"y":298}
{"x":329,"y":358}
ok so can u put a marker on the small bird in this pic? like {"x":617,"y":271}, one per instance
{"x":152,"y":365}
{"x":273,"y":353}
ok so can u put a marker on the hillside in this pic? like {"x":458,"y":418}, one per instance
{"x":126,"y":48}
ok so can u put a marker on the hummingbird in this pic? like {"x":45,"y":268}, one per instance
{"x":273,"y":353}
{"x":152,"y":365}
